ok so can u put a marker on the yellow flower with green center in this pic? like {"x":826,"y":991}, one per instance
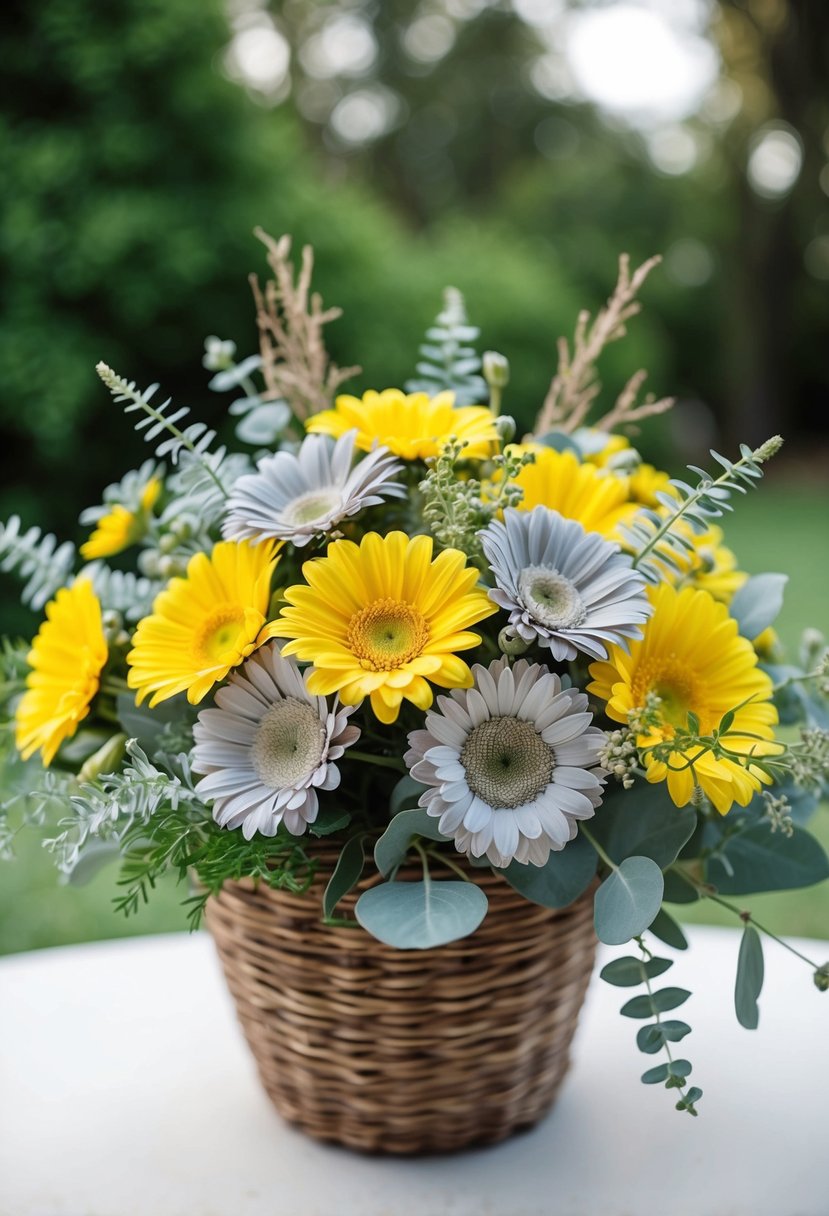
{"x":559,"y":480}
{"x":411,"y":425}
{"x":694,"y":660}
{"x":204,"y":624}
{"x":66,"y":661}
{"x":381,"y":619}
{"x":120,"y":527}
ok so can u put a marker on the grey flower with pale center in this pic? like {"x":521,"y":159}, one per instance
{"x":511,"y":764}
{"x":268,"y":746}
{"x":295,"y":497}
{"x":564,"y":588}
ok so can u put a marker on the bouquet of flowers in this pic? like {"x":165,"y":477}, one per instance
{"x":383,"y":620}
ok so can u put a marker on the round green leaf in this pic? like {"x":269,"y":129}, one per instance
{"x":643,"y":823}
{"x":628,"y":900}
{"x":629,"y":971}
{"x":420,"y":915}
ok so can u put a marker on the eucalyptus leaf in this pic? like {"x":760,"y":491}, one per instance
{"x":420,"y":915}
{"x":564,"y":876}
{"x":655,"y":1075}
{"x":657,"y":1002}
{"x":264,"y":423}
{"x":643,"y":823}
{"x":392,"y":847}
{"x":628,"y":900}
{"x":346,"y":874}
{"x":749,"y":983}
{"x":406,"y":790}
{"x":96,"y":855}
{"x":668,"y":931}
{"x":629,"y":971}
{"x":653,"y":1038}
{"x":678,"y":890}
{"x":760,"y":860}
{"x":758,"y":602}
{"x":329,"y":821}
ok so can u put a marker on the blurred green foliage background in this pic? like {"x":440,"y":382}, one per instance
{"x":510,"y":147}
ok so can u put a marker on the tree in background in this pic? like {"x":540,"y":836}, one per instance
{"x":456,"y":105}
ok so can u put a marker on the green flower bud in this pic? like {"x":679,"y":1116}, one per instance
{"x":821,"y":978}
{"x":505,"y":426}
{"x":496,"y":369}
{"x":106,"y":759}
{"x":510,"y":643}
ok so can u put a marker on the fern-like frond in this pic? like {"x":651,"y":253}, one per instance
{"x":657,"y":540}
{"x":37,"y":558}
{"x":195,"y":491}
{"x":157,"y":420}
{"x":107,"y":808}
{"x":122,"y":591}
{"x":447,"y":360}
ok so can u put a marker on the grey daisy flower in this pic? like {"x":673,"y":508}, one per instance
{"x":297,"y":496}
{"x":511,"y":763}
{"x":564,"y":588}
{"x":268,"y":747}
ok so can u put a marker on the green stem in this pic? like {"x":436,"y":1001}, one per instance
{"x":745,"y":916}
{"x":591,"y":839}
{"x":380,"y":761}
{"x":427,"y":880}
{"x":447,"y":861}
{"x":700,"y":492}
{"x":666,"y":1045}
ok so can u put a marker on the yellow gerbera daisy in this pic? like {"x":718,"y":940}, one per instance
{"x":694,"y":660}
{"x":120,"y":527}
{"x":204,"y":624}
{"x":377,"y":618}
{"x":66,"y":661}
{"x":646,"y":482}
{"x":559,"y":480}
{"x":411,"y":425}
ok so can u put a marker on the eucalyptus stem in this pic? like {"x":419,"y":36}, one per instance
{"x":447,"y":861}
{"x":591,"y":839}
{"x":745,"y":916}
{"x":665,"y":1044}
{"x":427,"y":880}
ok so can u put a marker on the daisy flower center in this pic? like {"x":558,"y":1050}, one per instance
{"x":387,"y":634}
{"x":289,"y":744}
{"x":311,"y":506}
{"x":507,"y":762}
{"x":220,"y":634}
{"x":677,"y":687}
{"x":551,"y":597}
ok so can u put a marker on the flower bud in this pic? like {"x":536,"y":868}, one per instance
{"x":821,"y":978}
{"x":496,"y":369}
{"x":505,"y":426}
{"x":510,"y":643}
{"x":218,"y":353}
{"x":105,"y":760}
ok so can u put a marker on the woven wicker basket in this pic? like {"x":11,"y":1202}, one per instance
{"x":393,"y":1051}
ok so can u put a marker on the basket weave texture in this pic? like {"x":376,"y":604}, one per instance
{"x":393,"y":1051}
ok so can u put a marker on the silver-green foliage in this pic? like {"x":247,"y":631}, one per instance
{"x":109,"y":807}
{"x":448,"y":361}
{"x":659,"y":541}
{"x":37,"y":558}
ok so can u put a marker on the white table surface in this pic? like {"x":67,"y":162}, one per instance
{"x":126,"y":1090}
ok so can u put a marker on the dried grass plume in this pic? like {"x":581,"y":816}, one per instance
{"x":295,"y":363}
